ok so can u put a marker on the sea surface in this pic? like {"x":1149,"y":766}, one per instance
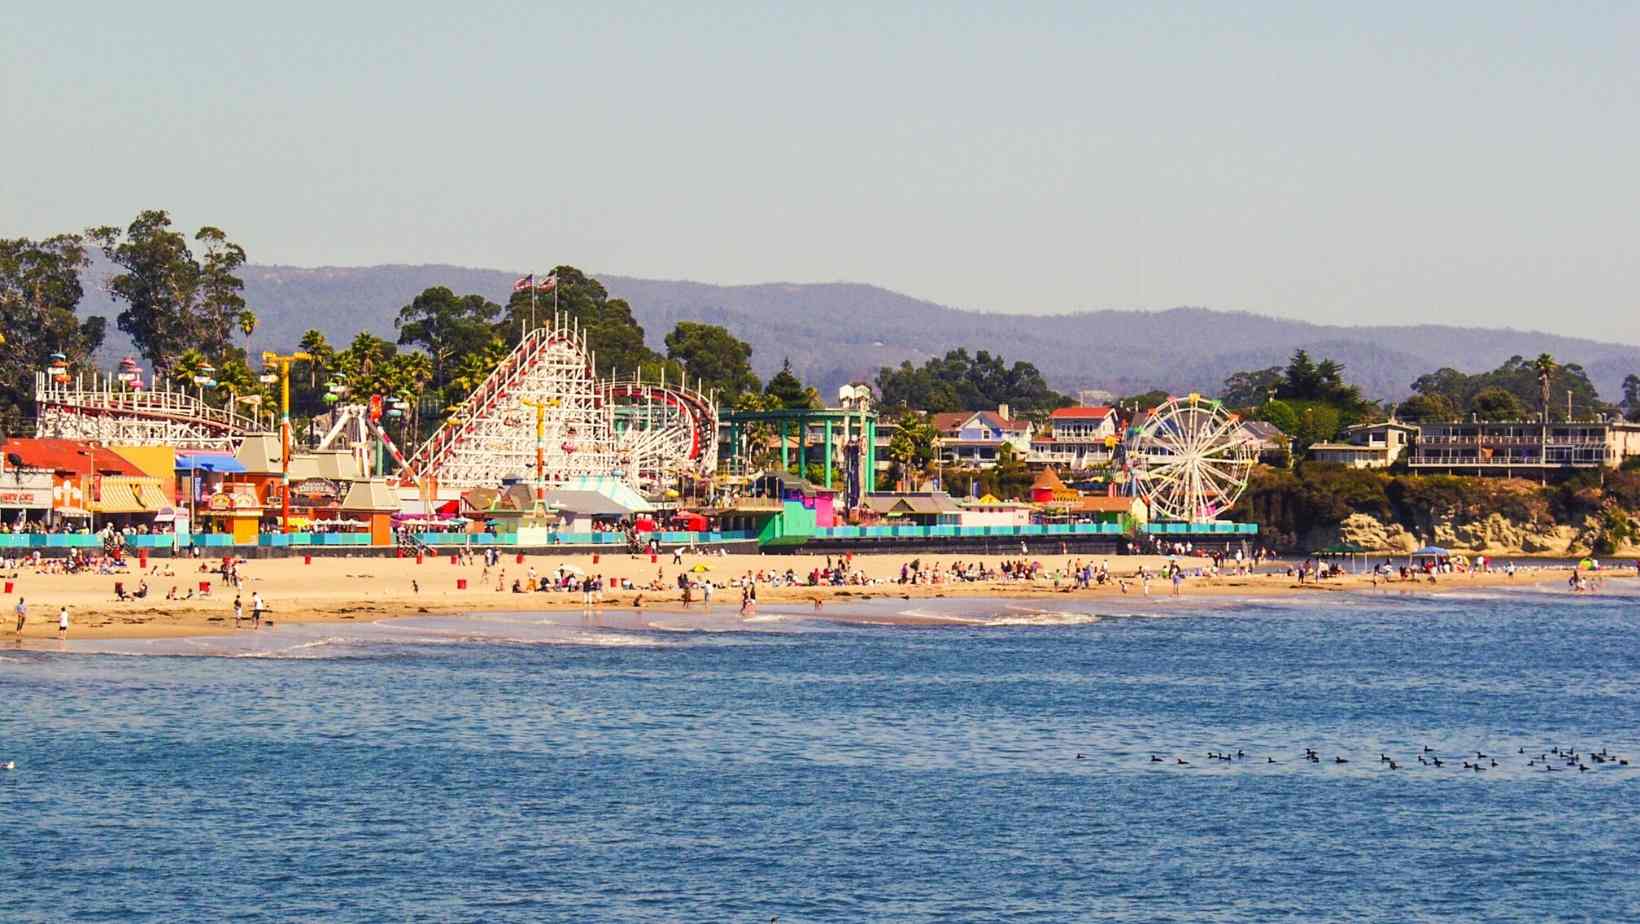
{"x":993,"y":767}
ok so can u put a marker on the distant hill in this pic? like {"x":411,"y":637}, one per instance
{"x":835,"y":332}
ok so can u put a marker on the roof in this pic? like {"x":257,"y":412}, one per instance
{"x":931,"y":503}
{"x":586,"y":503}
{"x":208,"y":462}
{"x":1264,"y":430}
{"x":260,"y":454}
{"x":1102,"y":503}
{"x":1048,"y":480}
{"x":613,"y":488}
{"x":1347,"y":447}
{"x":1380,"y":425}
{"x":953,"y":420}
{"x":1095,"y":412}
{"x":58,"y":455}
{"x":374,"y":496}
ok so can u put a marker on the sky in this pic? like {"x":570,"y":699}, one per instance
{"x":1462,"y":162}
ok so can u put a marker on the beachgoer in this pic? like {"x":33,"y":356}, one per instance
{"x":256,"y":610}
{"x":62,"y":621}
{"x":22,"y":615}
{"x":238,"y":610}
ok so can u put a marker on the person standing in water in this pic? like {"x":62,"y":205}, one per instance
{"x":256,"y":610}
{"x":62,"y":621}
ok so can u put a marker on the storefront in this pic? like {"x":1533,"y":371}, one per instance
{"x":25,"y":498}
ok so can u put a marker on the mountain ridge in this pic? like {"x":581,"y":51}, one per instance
{"x":835,"y":332}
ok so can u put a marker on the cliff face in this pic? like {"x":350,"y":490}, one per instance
{"x":1492,"y":533}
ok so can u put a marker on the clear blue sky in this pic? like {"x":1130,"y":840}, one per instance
{"x":1386,"y":162}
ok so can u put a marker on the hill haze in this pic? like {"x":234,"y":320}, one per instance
{"x":837,"y":332}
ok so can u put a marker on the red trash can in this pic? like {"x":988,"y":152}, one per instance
{"x":461,"y":583}
{"x":10,"y":587}
{"x":142,"y":558}
{"x":307,"y":559}
{"x":595,"y":558}
{"x":455,"y":559}
{"x":418,"y":558}
{"x":520,"y":558}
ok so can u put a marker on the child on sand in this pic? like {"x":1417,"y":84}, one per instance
{"x":62,"y":621}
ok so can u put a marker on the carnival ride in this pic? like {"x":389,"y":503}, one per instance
{"x":545,"y":400}
{"x":545,"y":395}
{"x":118,"y":410}
{"x":1188,"y":460}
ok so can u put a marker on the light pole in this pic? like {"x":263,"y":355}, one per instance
{"x":282,"y":365}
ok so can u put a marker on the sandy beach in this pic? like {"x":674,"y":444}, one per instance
{"x":342,"y":589}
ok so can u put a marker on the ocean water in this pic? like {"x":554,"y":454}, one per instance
{"x":629,"y":767}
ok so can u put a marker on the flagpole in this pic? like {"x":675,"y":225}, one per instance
{"x":532,"y":301}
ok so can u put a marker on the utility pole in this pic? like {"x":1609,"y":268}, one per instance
{"x":282,"y":364}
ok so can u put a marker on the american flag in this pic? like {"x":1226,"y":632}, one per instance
{"x":524,"y":282}
{"x":547,"y":284}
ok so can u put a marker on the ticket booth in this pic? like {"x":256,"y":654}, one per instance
{"x":237,"y":513}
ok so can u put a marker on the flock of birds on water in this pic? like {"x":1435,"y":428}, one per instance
{"x":1555,"y":760}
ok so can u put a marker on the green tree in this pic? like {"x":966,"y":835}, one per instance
{"x":1428,"y":407}
{"x":1545,"y":367}
{"x":1631,"y":395}
{"x":714,"y":358}
{"x":445,"y":326}
{"x":607,"y":323}
{"x":1280,"y":414}
{"x":40,"y":292}
{"x":959,"y":382}
{"x":913,"y":447}
{"x":1144,"y":401}
{"x":174,"y":300}
{"x":1251,"y":389}
{"x":1497,"y":404}
{"x":786,"y":389}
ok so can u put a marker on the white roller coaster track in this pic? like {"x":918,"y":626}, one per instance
{"x":100,"y":408}
{"x":648,"y":433}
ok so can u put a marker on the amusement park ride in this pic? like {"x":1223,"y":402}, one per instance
{"x":544,"y":415}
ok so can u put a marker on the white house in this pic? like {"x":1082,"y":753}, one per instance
{"x":1077,"y":437}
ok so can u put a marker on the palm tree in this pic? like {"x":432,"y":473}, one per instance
{"x":1545,"y":367}
{"x":247,"y":322}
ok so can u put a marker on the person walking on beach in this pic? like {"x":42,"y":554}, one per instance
{"x":238,"y":610}
{"x":256,"y":610}
{"x":22,"y":615}
{"x":62,"y":621}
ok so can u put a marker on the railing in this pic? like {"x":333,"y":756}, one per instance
{"x":101,"y":395}
{"x":505,"y":376}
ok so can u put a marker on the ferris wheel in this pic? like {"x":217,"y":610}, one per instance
{"x":1188,"y":459}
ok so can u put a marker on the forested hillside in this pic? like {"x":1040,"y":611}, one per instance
{"x":835,"y":332}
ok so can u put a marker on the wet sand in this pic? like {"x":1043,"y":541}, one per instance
{"x":370,"y":589}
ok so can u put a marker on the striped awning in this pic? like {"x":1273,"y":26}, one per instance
{"x":130,"y":495}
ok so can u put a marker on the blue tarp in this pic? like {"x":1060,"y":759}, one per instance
{"x":219,"y":462}
{"x":1431,"y":551}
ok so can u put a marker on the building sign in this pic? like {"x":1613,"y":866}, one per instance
{"x":315,"y":487}
{"x":66,"y":493}
{"x":26,"y":498}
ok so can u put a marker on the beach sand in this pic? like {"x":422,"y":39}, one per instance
{"x":367,"y":589}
